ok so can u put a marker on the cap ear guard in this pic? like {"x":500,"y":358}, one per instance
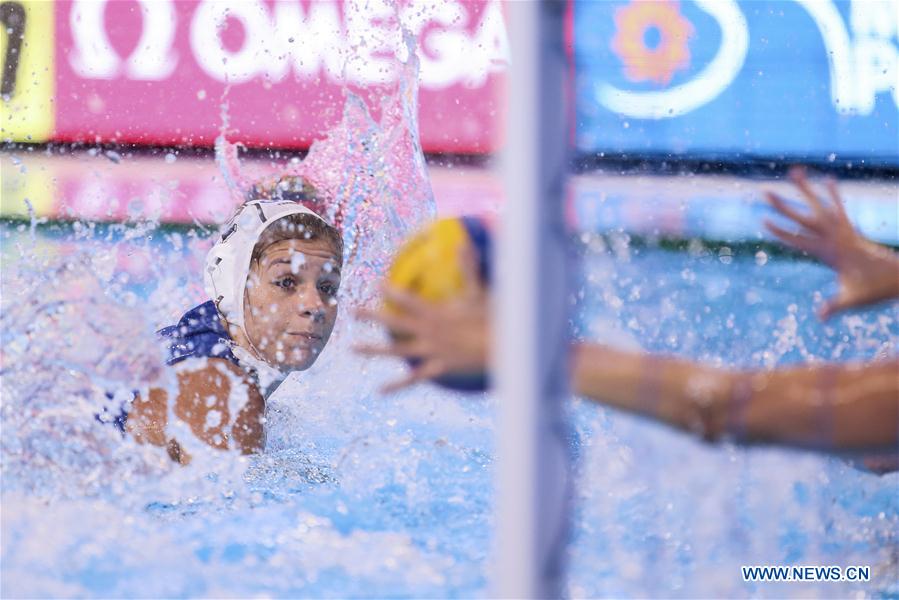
{"x":228,"y":261}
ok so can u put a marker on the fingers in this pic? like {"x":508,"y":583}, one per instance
{"x":826,"y":311}
{"x":374,"y":350}
{"x":800,"y":242}
{"x":468,"y":262}
{"x":424,"y":372}
{"x":398,"y":323}
{"x":780,"y":205}
{"x":392,"y":388}
{"x":833,"y":306}
{"x":834,"y":192}
{"x":800,"y":180}
{"x":404,"y":301}
{"x":410,"y":349}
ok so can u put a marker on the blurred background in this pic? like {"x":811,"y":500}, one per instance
{"x":683,"y":112}
{"x":105,"y":102}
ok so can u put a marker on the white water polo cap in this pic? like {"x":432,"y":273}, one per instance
{"x":228,"y":261}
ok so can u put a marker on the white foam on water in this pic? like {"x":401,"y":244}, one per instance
{"x":358,"y":494}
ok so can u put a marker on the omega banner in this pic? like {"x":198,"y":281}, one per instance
{"x":783,"y":80}
{"x":157,"y":71}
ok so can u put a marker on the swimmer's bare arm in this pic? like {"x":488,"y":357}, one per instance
{"x":833,"y":407}
{"x":837,"y":407}
{"x":202,"y":403}
{"x":868,"y":273}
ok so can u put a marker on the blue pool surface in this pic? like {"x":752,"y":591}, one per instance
{"x":361,"y":495}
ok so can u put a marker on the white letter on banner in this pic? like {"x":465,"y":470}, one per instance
{"x":371,"y":42}
{"x":878,"y":19}
{"x":94,"y":56}
{"x":839,"y":53}
{"x":154,"y":59}
{"x":206,"y":41}
{"x":307,"y":41}
{"x":490,"y":46}
{"x":875,"y":71}
{"x":444,"y":50}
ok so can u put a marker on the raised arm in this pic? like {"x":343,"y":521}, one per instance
{"x":832,"y":406}
{"x":829,"y":406}
{"x":868,"y":273}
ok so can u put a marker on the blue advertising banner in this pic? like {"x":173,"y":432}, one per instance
{"x":782,"y":79}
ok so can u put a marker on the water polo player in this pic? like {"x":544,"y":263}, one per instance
{"x":272,"y":278}
{"x":840,"y":406}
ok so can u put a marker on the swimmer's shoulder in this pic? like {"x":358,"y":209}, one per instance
{"x":201,"y":349}
{"x":199,"y":334}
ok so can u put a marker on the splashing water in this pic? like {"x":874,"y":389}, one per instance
{"x":81,"y":341}
{"x":359,"y":495}
{"x":75,"y":345}
{"x":372,"y":172}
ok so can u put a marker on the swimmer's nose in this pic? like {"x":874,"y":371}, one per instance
{"x":312,"y":307}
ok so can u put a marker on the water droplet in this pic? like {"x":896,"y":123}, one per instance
{"x":725,"y":255}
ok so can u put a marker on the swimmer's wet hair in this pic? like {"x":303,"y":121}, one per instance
{"x":297,"y":226}
{"x":289,"y":187}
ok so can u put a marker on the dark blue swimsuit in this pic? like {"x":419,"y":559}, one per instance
{"x":199,"y":334}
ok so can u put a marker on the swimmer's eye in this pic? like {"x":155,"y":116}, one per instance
{"x":328,"y":288}
{"x":286,"y":283}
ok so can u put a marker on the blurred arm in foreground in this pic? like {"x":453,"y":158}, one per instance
{"x":847,"y":406}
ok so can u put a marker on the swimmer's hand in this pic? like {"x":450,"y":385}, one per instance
{"x":868,"y":273}
{"x":446,"y":338}
{"x":882,"y":464}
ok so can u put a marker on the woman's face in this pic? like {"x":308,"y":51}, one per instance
{"x":291,"y":302}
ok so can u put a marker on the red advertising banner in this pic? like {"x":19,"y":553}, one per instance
{"x":157,"y":71}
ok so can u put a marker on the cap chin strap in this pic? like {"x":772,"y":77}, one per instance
{"x":270,"y":377}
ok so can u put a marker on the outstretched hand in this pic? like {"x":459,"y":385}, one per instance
{"x":449,"y":337}
{"x":867,"y":272}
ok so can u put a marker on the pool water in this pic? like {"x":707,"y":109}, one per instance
{"x":361,"y":495}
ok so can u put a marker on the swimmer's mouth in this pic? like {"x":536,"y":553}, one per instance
{"x":312,"y":337}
